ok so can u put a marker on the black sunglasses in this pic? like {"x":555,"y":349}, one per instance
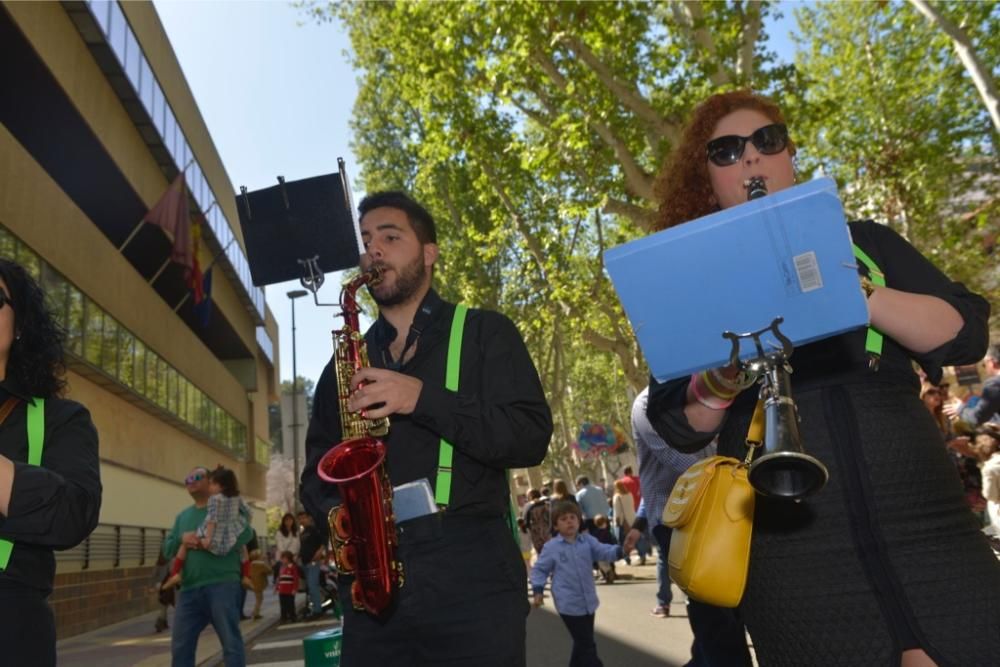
{"x":727,"y":150}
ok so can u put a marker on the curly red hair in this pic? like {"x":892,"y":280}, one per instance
{"x":683,"y":187}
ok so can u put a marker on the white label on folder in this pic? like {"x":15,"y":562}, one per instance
{"x":807,"y":269}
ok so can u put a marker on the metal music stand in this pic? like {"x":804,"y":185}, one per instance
{"x":300,"y":230}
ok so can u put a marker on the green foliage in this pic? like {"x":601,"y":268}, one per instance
{"x":533,"y":131}
{"x":891,"y":113}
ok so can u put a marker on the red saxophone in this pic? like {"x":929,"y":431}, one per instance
{"x":362,"y":527}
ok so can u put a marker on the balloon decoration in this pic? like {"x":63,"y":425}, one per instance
{"x":599,"y":440}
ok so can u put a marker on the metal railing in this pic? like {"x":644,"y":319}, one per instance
{"x":114,"y":545}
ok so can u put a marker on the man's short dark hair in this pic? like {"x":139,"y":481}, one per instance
{"x":420,"y":219}
{"x":628,"y":470}
{"x":582,"y":481}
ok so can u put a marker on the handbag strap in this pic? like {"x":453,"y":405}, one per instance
{"x":755,"y":433}
{"x":8,"y":407}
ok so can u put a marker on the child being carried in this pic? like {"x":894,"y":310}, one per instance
{"x":228,"y":516}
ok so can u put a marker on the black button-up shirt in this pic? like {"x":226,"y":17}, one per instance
{"x":498,"y":419}
{"x":54,"y":505}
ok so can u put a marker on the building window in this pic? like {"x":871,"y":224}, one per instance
{"x":158,"y":108}
{"x":133,"y":56}
{"x":126,"y":354}
{"x":262,"y":451}
{"x":92,"y":333}
{"x":139,"y":368}
{"x":75,"y":322}
{"x":169,"y":128}
{"x":100,"y":9}
{"x":116,"y":34}
{"x":146,"y":84}
{"x":109,"y":346}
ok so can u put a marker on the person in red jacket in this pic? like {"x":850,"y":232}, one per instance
{"x":287,"y":585}
{"x":631,"y":482}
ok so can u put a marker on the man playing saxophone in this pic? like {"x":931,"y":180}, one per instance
{"x":463,"y":599}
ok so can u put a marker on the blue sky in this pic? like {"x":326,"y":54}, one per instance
{"x":276,"y":93}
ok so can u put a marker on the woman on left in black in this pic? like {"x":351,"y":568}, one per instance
{"x":50,"y":484}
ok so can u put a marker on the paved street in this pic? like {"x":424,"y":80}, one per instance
{"x":626,"y":633}
{"x":627,"y":636}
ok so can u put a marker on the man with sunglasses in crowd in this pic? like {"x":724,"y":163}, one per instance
{"x":210,"y":590}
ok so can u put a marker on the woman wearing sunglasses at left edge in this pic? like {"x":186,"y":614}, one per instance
{"x":44,"y":507}
{"x":885,"y":565}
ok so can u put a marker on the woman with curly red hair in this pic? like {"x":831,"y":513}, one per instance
{"x":885,"y":564}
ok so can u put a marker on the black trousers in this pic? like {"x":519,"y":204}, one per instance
{"x":581,"y":629}
{"x":463,"y":601}
{"x":27,"y":628}
{"x":287,"y":607}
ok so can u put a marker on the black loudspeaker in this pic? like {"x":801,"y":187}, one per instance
{"x":291,"y":224}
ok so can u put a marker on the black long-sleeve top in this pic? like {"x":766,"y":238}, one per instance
{"x":842,"y":359}
{"x":54,"y":505}
{"x":498,"y":419}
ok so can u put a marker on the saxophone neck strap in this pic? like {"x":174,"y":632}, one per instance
{"x":36,"y":441}
{"x":874,"y":338}
{"x":420,"y":321}
{"x":442,"y":486}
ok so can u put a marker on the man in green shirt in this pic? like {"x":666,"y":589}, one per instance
{"x":210,"y":588}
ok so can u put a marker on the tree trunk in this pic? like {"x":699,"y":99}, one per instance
{"x":981,"y":76}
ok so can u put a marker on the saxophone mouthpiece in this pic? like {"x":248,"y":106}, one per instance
{"x":376,"y":272}
{"x":756,"y":188}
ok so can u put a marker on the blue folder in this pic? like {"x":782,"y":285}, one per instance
{"x":786,"y":255}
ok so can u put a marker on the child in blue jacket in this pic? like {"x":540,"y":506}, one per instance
{"x":568,"y":558}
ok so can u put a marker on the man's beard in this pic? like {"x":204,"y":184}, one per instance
{"x":409,"y":280}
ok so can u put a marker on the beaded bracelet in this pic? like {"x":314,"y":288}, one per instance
{"x":710,"y":382}
{"x":737,"y":384}
{"x":701,"y":395}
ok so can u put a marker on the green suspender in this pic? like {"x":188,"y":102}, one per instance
{"x":36,"y":440}
{"x":442,"y":488}
{"x":873,"y":342}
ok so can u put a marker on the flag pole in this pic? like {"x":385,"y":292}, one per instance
{"x":207,"y":269}
{"x":131,"y":236}
{"x":135,"y":231}
{"x":160,"y":270}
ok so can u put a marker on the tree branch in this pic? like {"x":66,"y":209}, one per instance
{"x":981,"y":76}
{"x":636,"y":179}
{"x":748,"y":40}
{"x":690,"y":15}
{"x":627,"y":95}
{"x":534,"y":247}
{"x":643,"y":218}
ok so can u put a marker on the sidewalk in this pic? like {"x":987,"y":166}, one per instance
{"x":134,"y":642}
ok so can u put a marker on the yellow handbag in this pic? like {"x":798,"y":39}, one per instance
{"x":711,"y":513}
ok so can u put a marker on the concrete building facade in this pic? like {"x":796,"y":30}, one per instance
{"x":96,"y":121}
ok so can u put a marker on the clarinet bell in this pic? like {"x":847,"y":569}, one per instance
{"x":784,"y":470}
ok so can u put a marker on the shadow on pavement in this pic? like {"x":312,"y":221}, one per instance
{"x":549,"y":645}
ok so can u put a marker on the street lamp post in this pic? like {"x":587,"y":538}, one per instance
{"x":292,"y":296}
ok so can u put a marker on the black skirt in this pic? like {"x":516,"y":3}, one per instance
{"x":886,"y":557}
